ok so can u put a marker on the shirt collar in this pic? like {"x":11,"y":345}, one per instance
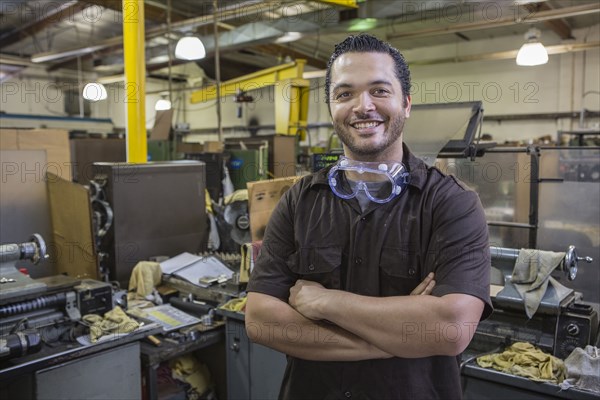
{"x":416,"y":168}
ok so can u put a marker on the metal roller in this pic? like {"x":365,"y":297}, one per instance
{"x":568,"y":265}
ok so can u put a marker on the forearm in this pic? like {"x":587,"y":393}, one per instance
{"x":406,"y":326}
{"x":273,"y":323}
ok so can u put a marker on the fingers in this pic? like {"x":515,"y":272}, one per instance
{"x":425,"y":287}
{"x":429,"y":287}
{"x":302,"y":282}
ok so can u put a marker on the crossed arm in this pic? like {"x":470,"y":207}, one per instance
{"x":333,"y":325}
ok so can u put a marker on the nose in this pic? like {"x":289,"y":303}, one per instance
{"x":364,"y":103}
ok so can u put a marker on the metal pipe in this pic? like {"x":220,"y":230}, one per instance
{"x":169,"y":48}
{"x":509,"y":54}
{"x":80,"y":87}
{"x":217,"y":70}
{"x":135,"y":80}
{"x":510,"y":224}
{"x":507,"y":21}
{"x":246,"y":9}
{"x":534,"y":195}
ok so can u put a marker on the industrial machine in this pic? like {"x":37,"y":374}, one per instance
{"x":33,"y":312}
{"x":247,"y":165}
{"x":158,"y":209}
{"x":14,"y":283}
{"x":562,"y":321}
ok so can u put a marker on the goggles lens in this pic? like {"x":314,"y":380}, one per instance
{"x":380,"y":181}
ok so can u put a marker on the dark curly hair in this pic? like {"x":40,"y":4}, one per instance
{"x":365,"y":43}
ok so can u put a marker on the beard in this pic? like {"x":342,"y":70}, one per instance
{"x":390,"y":136}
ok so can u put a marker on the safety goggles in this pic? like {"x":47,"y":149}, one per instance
{"x":380,"y":181}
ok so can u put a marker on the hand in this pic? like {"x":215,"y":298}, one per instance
{"x":304,"y":298}
{"x":424,"y":287}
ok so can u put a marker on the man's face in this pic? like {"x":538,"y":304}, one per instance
{"x":366,"y":105}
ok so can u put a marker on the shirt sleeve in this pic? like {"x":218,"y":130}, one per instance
{"x":271,"y":274}
{"x":459,"y":247}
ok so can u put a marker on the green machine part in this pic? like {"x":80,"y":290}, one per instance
{"x":159,"y":150}
{"x":247,"y":166}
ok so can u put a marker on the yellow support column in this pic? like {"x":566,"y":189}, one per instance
{"x":135,"y":80}
{"x":291,"y":107}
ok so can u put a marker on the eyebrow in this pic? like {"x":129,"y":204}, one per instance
{"x":372,"y":83}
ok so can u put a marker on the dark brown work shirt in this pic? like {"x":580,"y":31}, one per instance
{"x":436,"y":224}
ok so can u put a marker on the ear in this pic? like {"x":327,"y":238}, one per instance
{"x":408,"y":106}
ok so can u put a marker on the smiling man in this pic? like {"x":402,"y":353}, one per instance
{"x":344,"y":283}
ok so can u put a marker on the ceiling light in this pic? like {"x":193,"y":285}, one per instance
{"x":532,"y":52}
{"x":94,"y":92}
{"x":190,"y":48}
{"x":363,"y":25}
{"x":289,"y":37}
{"x":162,"y":105}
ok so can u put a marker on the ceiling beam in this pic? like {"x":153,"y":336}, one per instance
{"x":224,"y":15}
{"x":559,"y":26}
{"x":510,"y":54}
{"x":152,"y":10}
{"x":541,"y":16}
{"x":55,"y":15}
{"x":282,"y":51}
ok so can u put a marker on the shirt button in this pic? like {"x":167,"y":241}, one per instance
{"x":358,"y":260}
{"x":363,"y":219}
{"x":411,"y":271}
{"x":348,"y":394}
{"x":311,"y":267}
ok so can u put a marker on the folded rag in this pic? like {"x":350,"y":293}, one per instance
{"x":113,"y":322}
{"x":188,"y":369}
{"x":531,"y":276}
{"x":524,"y":359}
{"x":146,"y":275}
{"x":235,"y":305}
{"x":583,"y":369}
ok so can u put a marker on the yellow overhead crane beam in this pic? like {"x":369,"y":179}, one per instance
{"x":291,"y":94}
{"x":343,"y":3}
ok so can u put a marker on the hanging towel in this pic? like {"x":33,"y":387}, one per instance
{"x":531,"y":276}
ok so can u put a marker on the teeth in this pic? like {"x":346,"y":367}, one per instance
{"x":364,"y":125}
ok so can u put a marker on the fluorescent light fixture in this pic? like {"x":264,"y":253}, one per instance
{"x":106,"y":80}
{"x":289,"y":37}
{"x":532,"y":52}
{"x":94,"y":92}
{"x":363,"y":24}
{"x":190,"y":48}
{"x":162,"y":105}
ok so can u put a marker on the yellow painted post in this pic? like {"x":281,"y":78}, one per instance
{"x":291,"y":107}
{"x":135,"y":80}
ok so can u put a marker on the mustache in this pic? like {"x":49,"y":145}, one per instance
{"x":366,"y":117}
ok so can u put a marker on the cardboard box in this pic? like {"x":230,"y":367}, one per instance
{"x":213,"y":147}
{"x":9,"y":139}
{"x":262,"y":199}
{"x":54,"y":141}
{"x":206,"y":147}
{"x":72,"y":228}
{"x":188,"y":147}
